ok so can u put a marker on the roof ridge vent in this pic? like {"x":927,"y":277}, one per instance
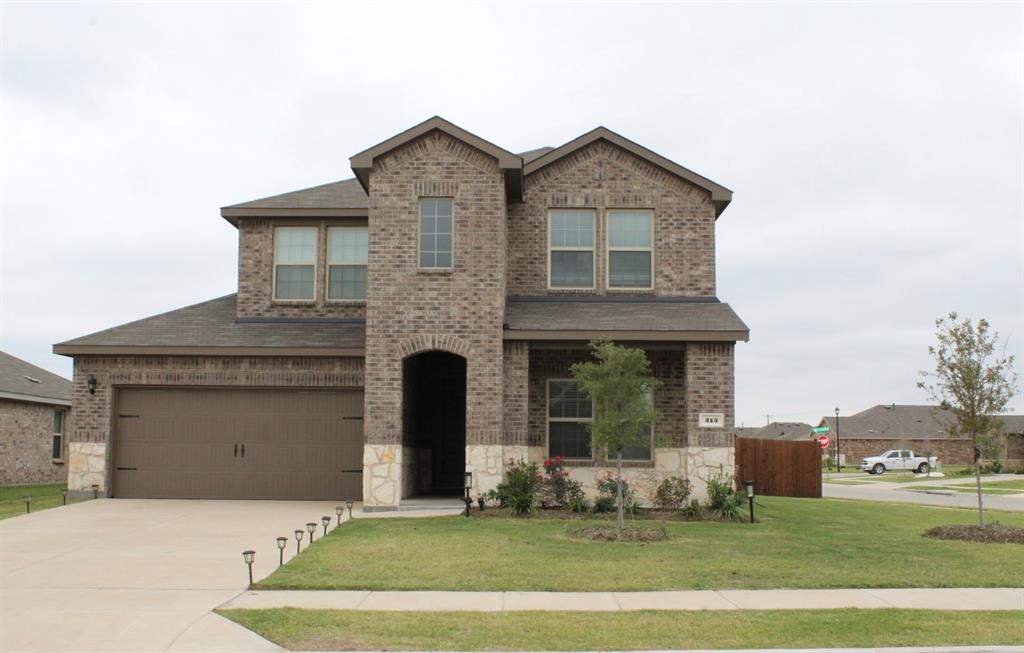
{"x":32,"y":379}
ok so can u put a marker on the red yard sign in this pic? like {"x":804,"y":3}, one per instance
{"x":823,"y":441}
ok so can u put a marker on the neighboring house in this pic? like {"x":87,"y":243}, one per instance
{"x":920,"y":428}
{"x":779,"y":431}
{"x":393,"y":331}
{"x":34,"y":406}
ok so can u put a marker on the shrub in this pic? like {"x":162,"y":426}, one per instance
{"x":723,"y":498}
{"x":694,"y":510}
{"x":607,"y":486}
{"x":557,"y":487}
{"x":994,"y":467}
{"x":518,"y":492}
{"x":671,"y":493}
{"x":579,"y":504}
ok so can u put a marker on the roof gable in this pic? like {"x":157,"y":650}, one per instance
{"x":511,"y":164}
{"x":720,"y":195}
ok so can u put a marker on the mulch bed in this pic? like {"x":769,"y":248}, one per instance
{"x":994,"y":533}
{"x":647,"y":514}
{"x":629,"y":534}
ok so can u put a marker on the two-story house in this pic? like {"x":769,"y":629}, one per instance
{"x":394,"y":330}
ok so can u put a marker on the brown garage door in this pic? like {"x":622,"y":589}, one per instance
{"x":200,"y":443}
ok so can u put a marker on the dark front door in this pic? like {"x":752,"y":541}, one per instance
{"x":435,"y":421}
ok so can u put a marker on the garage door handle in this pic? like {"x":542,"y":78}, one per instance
{"x":236,"y":450}
{"x":352,"y":471}
{"x":127,"y":469}
{"x":243,"y":450}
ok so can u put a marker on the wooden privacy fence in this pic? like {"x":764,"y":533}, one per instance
{"x":779,"y":468}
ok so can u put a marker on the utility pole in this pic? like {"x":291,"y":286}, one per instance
{"x":838,"y":466}
{"x":767,"y":419}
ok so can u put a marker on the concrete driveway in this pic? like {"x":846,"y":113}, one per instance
{"x":138,"y":575}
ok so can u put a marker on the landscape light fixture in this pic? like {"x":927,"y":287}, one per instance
{"x":28,"y":502}
{"x":249,"y":557}
{"x":340,"y":510}
{"x":326,"y":521}
{"x":95,"y":491}
{"x":281,"y":543}
{"x":750,"y":498}
{"x":91,"y":384}
{"x":298,"y":540}
{"x":467,"y":485}
{"x":350,"y":503}
{"x":837,"y":440}
{"x":64,"y":497}
{"x":311,"y":527}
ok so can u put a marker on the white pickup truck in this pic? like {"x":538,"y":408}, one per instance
{"x":898,"y":460}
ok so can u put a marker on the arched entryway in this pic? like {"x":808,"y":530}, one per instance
{"x":433,"y":424}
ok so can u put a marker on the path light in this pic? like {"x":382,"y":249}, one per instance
{"x":95,"y":491}
{"x":28,"y":502}
{"x":249,"y":557}
{"x":350,"y":503}
{"x":64,"y":497}
{"x":339,"y":510}
{"x":311,"y":527}
{"x":467,"y":485}
{"x":326,"y":521}
{"x":750,"y":498}
{"x":281,"y":543}
{"x":298,"y":540}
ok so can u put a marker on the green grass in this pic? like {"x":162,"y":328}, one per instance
{"x":969,"y":489}
{"x":799,"y":543}
{"x":43,"y":497}
{"x":1009,"y":485}
{"x":623,"y":631}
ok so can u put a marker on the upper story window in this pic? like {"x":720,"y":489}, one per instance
{"x":569,"y":412}
{"x":57,"y":443}
{"x":295,"y":263}
{"x":630,"y":234}
{"x":346,"y":262}
{"x":571,"y":249}
{"x":436,"y":228}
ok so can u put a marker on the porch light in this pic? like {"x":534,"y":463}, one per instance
{"x":281,"y":543}
{"x":750,"y":497}
{"x":311,"y":527}
{"x":349,"y":504}
{"x":467,"y":483}
{"x":91,"y":384}
{"x":249,"y":557}
{"x":340,"y":510}
{"x":326,"y":521}
{"x":298,"y":541}
{"x":64,"y":497}
{"x":28,"y":502}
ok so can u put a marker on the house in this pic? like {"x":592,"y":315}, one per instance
{"x":393,"y":331}
{"x":34,"y":406}
{"x":920,"y":428}
{"x":779,"y":431}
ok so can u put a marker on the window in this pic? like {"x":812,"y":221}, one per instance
{"x":346,"y":262}
{"x":436,"y":232}
{"x":294,"y":262}
{"x":641,"y":451}
{"x":57,"y":443}
{"x":629,"y":249}
{"x":571,"y":245}
{"x":569,"y":412}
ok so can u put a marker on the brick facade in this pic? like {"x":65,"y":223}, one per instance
{"x":710,"y":388}
{"x":603,"y":176}
{"x":26,"y":441}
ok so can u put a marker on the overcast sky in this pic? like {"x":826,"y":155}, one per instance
{"x":875,"y":151}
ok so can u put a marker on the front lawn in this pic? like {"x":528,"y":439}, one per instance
{"x":43,"y":496}
{"x":968,"y":489}
{"x":346,"y":630}
{"x":798,"y":543}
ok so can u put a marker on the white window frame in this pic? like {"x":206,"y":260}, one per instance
{"x":316,"y":262}
{"x":328,"y":265}
{"x":419,"y":234}
{"x":651,"y":447}
{"x":63,"y":428}
{"x":608,"y":249}
{"x":548,"y":419}
{"x":592,"y":249}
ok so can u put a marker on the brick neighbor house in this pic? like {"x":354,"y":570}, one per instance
{"x":395,"y":330}
{"x":34,"y":406}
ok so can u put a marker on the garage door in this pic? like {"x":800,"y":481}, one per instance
{"x":238,"y":444}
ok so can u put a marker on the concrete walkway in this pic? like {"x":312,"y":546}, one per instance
{"x":930,"y":598}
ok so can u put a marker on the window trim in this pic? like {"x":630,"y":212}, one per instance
{"x":548,"y":419}
{"x":316,"y":261}
{"x":327,"y":265}
{"x":592,"y":249}
{"x":54,"y":434}
{"x":419,"y":235}
{"x":651,"y":447}
{"x":608,"y":251}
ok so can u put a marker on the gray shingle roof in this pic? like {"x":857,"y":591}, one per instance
{"x":213,"y":324}
{"x":344,"y":194}
{"x":648,"y":315}
{"x":786,"y":431}
{"x":24,"y":381}
{"x":889,"y":421}
{"x":530,"y":155}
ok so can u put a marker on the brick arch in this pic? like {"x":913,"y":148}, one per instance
{"x":418,"y":344}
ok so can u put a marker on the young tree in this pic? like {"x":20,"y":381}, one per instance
{"x":973,"y":383}
{"x":619,"y":383}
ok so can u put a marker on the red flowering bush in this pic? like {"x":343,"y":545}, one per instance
{"x":558,"y":489}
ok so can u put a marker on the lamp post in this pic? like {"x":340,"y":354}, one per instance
{"x":750,"y":497}
{"x":349,"y":504}
{"x":838,"y":466}
{"x":311,"y":527}
{"x":467,"y":484}
{"x":340,"y":510}
{"x":326,"y":521}
{"x":64,"y":497}
{"x":28,"y":502}
{"x":298,"y":541}
{"x":281,"y":543}
{"x":249,"y":556}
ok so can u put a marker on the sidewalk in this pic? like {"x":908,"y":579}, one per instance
{"x":927,"y":598}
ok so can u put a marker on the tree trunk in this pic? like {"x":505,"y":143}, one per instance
{"x":619,"y":521}
{"x":981,"y":506}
